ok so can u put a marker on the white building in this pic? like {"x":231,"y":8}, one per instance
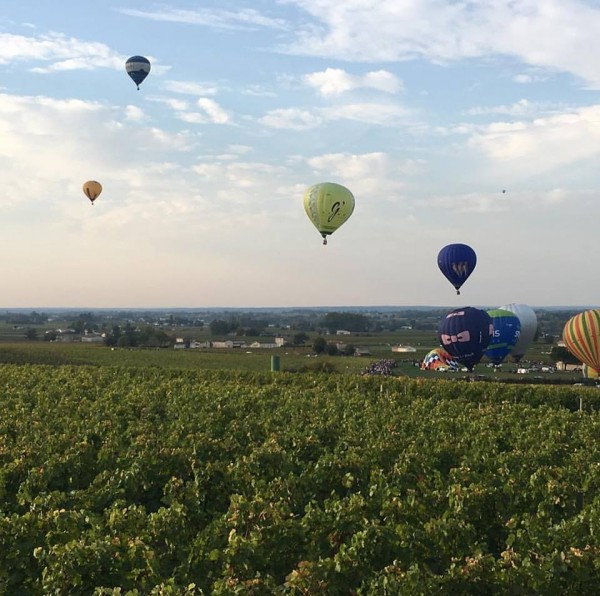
{"x":403,"y":349}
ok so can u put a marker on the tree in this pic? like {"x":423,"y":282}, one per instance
{"x":31,"y":334}
{"x":219,"y":327}
{"x":300,"y":339}
{"x":345,"y":320}
{"x":349,"y":350}
{"x":331,"y":349}
{"x":561,"y":354}
{"x":319,"y":345}
{"x":50,"y":335}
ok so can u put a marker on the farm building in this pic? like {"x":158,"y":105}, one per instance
{"x":199,"y":344}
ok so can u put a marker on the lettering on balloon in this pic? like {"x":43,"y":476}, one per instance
{"x":463,"y":336}
{"x":461,"y":268}
{"x":335,"y":209}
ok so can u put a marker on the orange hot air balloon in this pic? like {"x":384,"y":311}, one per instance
{"x":92,"y":190}
{"x":581,"y":335}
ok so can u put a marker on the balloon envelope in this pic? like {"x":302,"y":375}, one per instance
{"x":589,"y":373}
{"x":507,"y":329}
{"x":528,"y":320}
{"x":137,"y":68}
{"x":92,"y":190}
{"x":465,"y":333}
{"x":328,"y":205}
{"x":438,"y":358}
{"x":457,"y":262}
{"x":581,"y":335}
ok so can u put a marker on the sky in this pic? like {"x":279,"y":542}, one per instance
{"x":426,"y":110}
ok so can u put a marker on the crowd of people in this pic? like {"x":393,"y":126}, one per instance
{"x":381,"y":367}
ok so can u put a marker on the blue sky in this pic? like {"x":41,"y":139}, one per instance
{"x":425,"y":110}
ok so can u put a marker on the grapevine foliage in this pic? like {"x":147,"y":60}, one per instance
{"x":142,"y":481}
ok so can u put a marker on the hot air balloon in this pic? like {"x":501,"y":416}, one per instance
{"x":581,"y":335}
{"x":456,"y":262}
{"x":528,"y":321}
{"x":92,"y":190}
{"x":137,"y":68}
{"x":328,"y":205}
{"x":438,"y":358}
{"x":507,"y":329}
{"x":465,"y":333}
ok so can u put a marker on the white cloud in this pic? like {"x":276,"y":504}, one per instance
{"x":64,"y":53}
{"x":215,"y":18}
{"x":542,"y":144}
{"x":335,"y":81}
{"x":299,"y":119}
{"x":190,"y":88}
{"x":526,"y":78}
{"x":258,"y":91}
{"x":211,"y":112}
{"x":560,"y":35}
{"x":134,"y":114}
{"x":214,"y":111}
{"x":498,"y":202}
{"x":372,"y":113}
{"x":62,"y":143}
{"x":520,"y":108}
{"x":373,"y":176}
{"x":178,"y":105}
{"x":291,"y":118}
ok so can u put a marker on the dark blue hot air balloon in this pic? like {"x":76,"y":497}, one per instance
{"x":465,"y":333}
{"x":456,"y":262}
{"x":507,"y":330}
{"x":137,"y":68}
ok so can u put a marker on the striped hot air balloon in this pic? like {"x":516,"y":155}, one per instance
{"x":581,"y":335}
{"x":137,"y":67}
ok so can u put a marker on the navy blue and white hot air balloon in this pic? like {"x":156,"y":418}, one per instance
{"x":456,"y":262}
{"x":465,"y":333}
{"x":137,"y":68}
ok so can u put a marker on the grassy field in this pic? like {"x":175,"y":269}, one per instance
{"x":259,"y":360}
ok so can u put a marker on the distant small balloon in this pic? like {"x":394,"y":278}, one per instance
{"x":137,"y":68}
{"x":92,"y":190}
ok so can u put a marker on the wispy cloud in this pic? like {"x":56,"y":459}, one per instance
{"x":190,"y":88}
{"x":528,"y":78}
{"x":366,"y":112}
{"x":210,"y":17}
{"x":210,"y":112}
{"x":520,"y":108}
{"x":291,"y":118}
{"x":505,"y":203}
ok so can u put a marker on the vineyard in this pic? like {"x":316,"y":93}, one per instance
{"x":117,"y":480}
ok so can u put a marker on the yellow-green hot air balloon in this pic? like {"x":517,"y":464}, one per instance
{"x":328,"y":205}
{"x":92,"y":190}
{"x":581,"y":335}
